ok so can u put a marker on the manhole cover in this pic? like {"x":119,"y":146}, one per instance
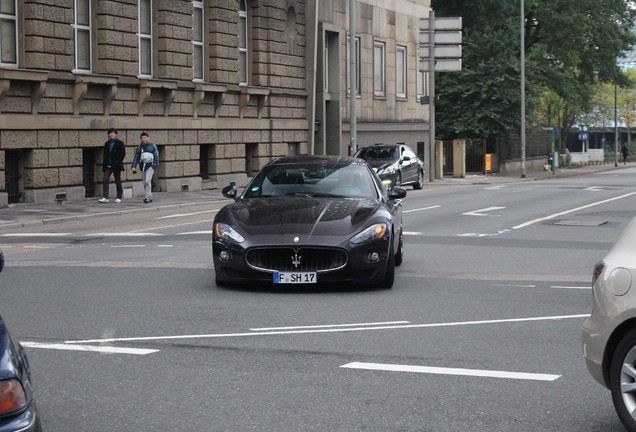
{"x":577,"y":222}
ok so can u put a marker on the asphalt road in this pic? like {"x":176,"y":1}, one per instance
{"x":126,"y":330}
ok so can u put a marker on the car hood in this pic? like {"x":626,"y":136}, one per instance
{"x":380,"y":164}
{"x":299,"y":215}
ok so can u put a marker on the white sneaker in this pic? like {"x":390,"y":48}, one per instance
{"x":103,"y":200}
{"x":118,"y":200}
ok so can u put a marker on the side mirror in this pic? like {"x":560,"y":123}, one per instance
{"x":406,"y":158}
{"x":397,"y":192}
{"x":230,"y":191}
{"x":1,"y":261}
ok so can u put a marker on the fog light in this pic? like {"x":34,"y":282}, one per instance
{"x":374,"y":257}
{"x":224,"y":256}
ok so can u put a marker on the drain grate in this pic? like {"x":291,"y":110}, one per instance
{"x":578,"y":222}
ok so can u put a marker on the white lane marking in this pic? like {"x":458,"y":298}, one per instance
{"x":452,"y":371}
{"x":525,"y":224}
{"x":515,"y":285}
{"x":36,"y":235}
{"x":421,"y":209}
{"x":124,"y":234}
{"x":495,"y":187}
{"x":480,"y":212}
{"x":89,"y":348}
{"x":127,"y":246}
{"x":483,"y":235}
{"x":329,"y":326}
{"x":412,"y":233}
{"x":186,"y":214}
{"x":571,"y":287}
{"x":196,"y":232}
{"x":594,"y":188}
{"x":165,"y":246}
{"x":328,"y":330}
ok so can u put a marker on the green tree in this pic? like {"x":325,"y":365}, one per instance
{"x":570,"y":47}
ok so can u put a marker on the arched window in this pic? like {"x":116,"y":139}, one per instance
{"x":243,"y":42}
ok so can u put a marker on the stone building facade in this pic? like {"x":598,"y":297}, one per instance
{"x":219,"y":85}
{"x":389,"y":85}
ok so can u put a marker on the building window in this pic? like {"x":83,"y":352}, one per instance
{"x":8,"y":33}
{"x":357,"y":52}
{"x":379,"y":68}
{"x":325,"y":64}
{"x":243,"y":41}
{"x":82,"y":29}
{"x":197,"y":40}
{"x":422,"y":79}
{"x":400,"y":71}
{"x":145,"y":38}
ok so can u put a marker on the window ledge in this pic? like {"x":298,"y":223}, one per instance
{"x":146,"y":88}
{"x":218,"y":92}
{"x":38,"y":84}
{"x":82,"y":82}
{"x":248,"y":94}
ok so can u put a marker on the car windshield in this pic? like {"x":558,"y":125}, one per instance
{"x":379,"y":152}
{"x":351,"y":181}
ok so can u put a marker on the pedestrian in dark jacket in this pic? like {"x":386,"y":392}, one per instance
{"x":625,"y":152}
{"x":113,"y":163}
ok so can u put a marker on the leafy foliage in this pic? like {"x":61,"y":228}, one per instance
{"x":570,"y":48}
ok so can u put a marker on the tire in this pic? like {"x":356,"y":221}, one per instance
{"x":420,"y":180}
{"x":399,"y":256}
{"x":622,"y":373}
{"x":389,"y":274}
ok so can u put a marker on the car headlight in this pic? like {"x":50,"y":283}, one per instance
{"x":387,"y":171}
{"x":374,"y":232}
{"x":226,"y":232}
{"x":12,"y":396}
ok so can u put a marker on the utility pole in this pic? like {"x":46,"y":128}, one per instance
{"x":353,"y":91}
{"x":523,"y":91}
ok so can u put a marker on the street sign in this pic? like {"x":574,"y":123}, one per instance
{"x":443,"y":23}
{"x":584,"y":136}
{"x":442,"y":65}
{"x":442,"y":51}
{"x":446,"y":37}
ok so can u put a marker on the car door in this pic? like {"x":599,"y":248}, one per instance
{"x":408,"y":161}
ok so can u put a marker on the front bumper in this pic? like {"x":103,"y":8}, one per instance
{"x":358,"y":268}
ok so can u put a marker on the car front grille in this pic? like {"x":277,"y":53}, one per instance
{"x":296,"y":260}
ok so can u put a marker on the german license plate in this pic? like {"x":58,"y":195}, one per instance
{"x":294,"y":277}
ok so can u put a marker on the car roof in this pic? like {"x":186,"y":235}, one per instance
{"x":317,"y":160}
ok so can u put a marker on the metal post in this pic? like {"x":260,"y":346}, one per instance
{"x":523,"y":92}
{"x":431,"y":93}
{"x":615,"y":124}
{"x":352,"y":77}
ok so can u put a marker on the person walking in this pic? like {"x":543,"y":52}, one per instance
{"x":113,"y":163}
{"x":147,"y":157}
{"x":625,"y":152}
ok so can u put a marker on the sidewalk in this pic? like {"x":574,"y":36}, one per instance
{"x":24,"y":215}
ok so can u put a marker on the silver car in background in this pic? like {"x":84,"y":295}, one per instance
{"x":609,"y":334}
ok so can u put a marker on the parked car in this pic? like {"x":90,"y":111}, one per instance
{"x":609,"y":334}
{"x":308,"y":220}
{"x":397,"y":164}
{"x":17,"y":407}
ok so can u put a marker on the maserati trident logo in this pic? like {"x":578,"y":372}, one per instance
{"x":296,"y":260}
